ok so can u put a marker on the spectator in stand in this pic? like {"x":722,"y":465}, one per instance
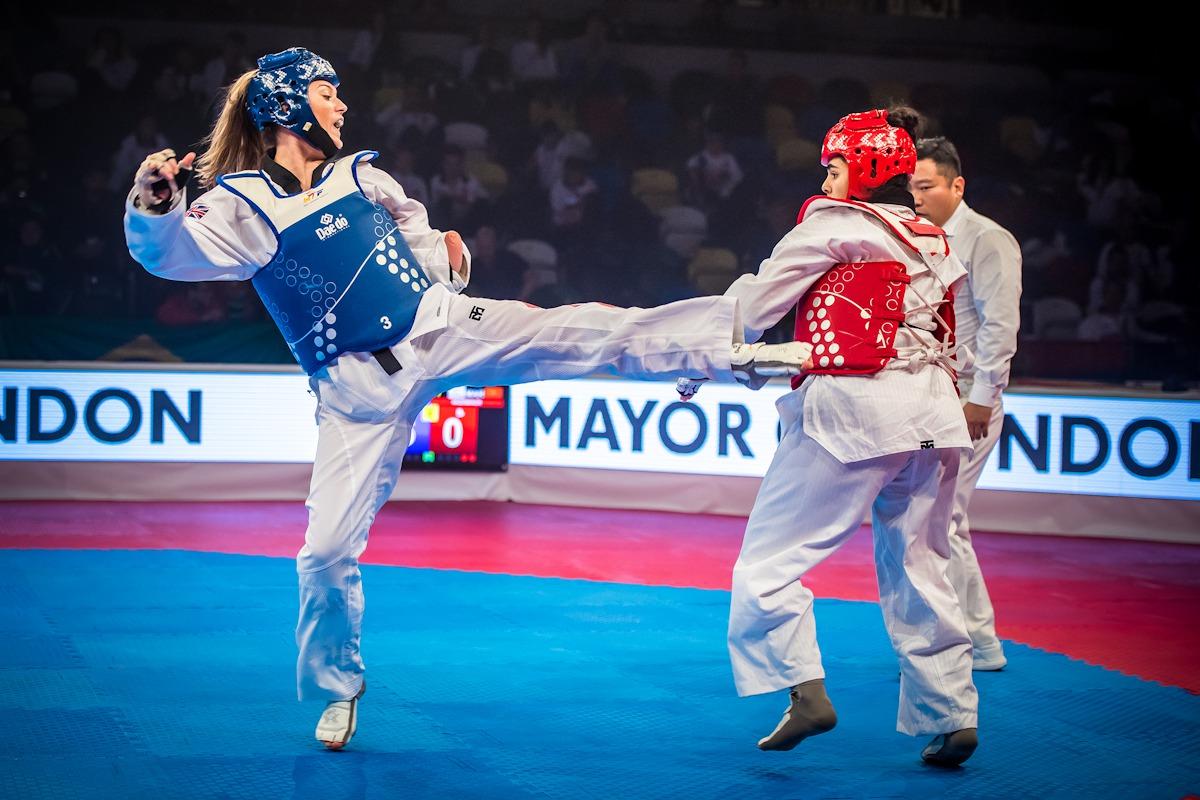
{"x":33,"y":272}
{"x":361,"y":55}
{"x":173,"y":85}
{"x":454,"y":191}
{"x":146,"y":137}
{"x":547,"y":158}
{"x":572,"y":196}
{"x":1106,"y":321}
{"x":402,"y":170}
{"x":179,"y":97}
{"x":589,"y":63}
{"x":224,"y":68}
{"x":405,"y":110}
{"x":532,"y":58}
{"x":110,"y":59}
{"x":483,"y":41}
{"x":1111,"y":192}
{"x":54,"y":86}
{"x":1115,"y":268}
{"x":491,"y":74}
{"x":737,"y":109}
{"x":495,"y":271}
{"x":714,"y":172}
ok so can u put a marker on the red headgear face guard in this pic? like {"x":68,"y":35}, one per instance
{"x":875,"y":151}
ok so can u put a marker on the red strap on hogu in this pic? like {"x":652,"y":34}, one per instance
{"x":851,"y":316}
{"x":946,"y":332}
{"x":920,"y":227}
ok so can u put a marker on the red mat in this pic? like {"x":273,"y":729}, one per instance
{"x":1129,"y":606}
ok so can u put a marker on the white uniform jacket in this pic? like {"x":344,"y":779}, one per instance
{"x":988,"y":305}
{"x":859,"y":417}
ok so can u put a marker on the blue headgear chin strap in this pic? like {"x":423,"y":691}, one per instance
{"x":278,"y":95}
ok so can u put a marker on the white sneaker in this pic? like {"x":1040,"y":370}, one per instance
{"x":339,"y":721}
{"x":754,"y":364}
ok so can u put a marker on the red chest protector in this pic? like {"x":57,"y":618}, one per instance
{"x":852,"y":313}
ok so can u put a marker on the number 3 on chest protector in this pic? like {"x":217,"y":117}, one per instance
{"x":386,"y":322}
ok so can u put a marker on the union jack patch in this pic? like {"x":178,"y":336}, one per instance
{"x":197,"y":211}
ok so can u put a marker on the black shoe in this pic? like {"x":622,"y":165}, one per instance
{"x":809,"y":714}
{"x":951,"y":749}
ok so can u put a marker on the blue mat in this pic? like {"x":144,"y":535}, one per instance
{"x":169,"y":675}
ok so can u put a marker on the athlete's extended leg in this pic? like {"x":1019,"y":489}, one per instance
{"x":506,"y":342}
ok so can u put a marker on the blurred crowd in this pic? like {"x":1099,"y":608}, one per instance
{"x":575,"y":176}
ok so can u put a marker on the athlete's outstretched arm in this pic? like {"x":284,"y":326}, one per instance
{"x":219,"y":238}
{"x":799,"y":259}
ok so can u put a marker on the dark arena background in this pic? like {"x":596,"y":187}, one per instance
{"x":548,"y":589}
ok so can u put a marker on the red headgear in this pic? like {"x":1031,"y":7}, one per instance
{"x":875,"y":151}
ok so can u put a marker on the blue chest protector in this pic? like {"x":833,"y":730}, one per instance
{"x":343,"y":280}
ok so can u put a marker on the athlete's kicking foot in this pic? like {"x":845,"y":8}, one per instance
{"x":755,"y":364}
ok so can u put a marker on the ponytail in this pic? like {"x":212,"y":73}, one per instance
{"x":896,"y":191}
{"x":234,"y":143}
{"x":907,"y":118}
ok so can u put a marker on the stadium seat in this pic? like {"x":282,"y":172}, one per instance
{"x":535,"y":253}
{"x":655,"y":188}
{"x":712,"y":269}
{"x":492,"y":176}
{"x":780,"y":124}
{"x":683,"y":229}
{"x":467,"y":135}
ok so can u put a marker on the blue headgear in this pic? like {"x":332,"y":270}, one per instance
{"x":278,"y":94}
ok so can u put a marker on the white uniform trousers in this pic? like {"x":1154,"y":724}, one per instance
{"x":964,"y":570}
{"x":365,"y":417}
{"x":809,"y":504}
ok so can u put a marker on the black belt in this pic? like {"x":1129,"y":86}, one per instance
{"x":387,"y":360}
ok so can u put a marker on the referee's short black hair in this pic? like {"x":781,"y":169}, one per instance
{"x":943,"y":153}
